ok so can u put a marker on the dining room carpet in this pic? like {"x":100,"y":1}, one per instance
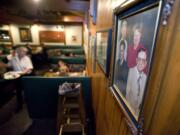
{"x":19,"y":123}
{"x":42,"y":127}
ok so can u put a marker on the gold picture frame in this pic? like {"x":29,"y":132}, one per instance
{"x":25,"y":34}
{"x":131,"y":67}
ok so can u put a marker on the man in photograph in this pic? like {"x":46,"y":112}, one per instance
{"x":123,"y":34}
{"x":122,"y":70}
{"x":136,"y":81}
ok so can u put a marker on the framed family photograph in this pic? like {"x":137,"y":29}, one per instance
{"x":103,"y":49}
{"x":25,"y":34}
{"x":135,"y":40}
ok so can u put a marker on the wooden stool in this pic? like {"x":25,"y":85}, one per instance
{"x":72,"y":129}
{"x":71,"y":113}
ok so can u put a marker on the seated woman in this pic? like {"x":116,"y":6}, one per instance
{"x":61,"y":69}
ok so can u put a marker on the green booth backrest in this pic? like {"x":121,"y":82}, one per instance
{"x":74,"y":51}
{"x":68,"y":60}
{"x":62,"y":47}
{"x":41,"y":94}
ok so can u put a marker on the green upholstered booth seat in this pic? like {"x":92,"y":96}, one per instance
{"x":41,"y":94}
{"x":68,"y":60}
{"x":63,"y":50}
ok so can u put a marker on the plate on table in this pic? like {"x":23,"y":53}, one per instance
{"x":74,"y":74}
{"x":11,"y":75}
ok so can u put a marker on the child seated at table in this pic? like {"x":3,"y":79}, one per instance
{"x":63,"y":68}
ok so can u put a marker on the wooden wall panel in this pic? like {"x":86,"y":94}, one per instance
{"x":92,"y":32}
{"x":122,"y":130}
{"x":162,"y":105}
{"x":117,"y":119}
{"x":107,"y":112}
{"x":165,"y":119}
{"x":105,"y":14}
{"x":100,"y":104}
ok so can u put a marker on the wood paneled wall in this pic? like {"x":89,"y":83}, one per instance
{"x":162,"y":105}
{"x":162,"y":108}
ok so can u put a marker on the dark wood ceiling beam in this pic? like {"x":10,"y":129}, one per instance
{"x":7,"y":19}
{"x":47,"y":10}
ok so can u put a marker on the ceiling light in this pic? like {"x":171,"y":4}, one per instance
{"x":36,"y":1}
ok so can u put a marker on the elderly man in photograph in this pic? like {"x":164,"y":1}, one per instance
{"x":136,"y":81}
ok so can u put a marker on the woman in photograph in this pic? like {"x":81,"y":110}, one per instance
{"x":133,"y":48}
